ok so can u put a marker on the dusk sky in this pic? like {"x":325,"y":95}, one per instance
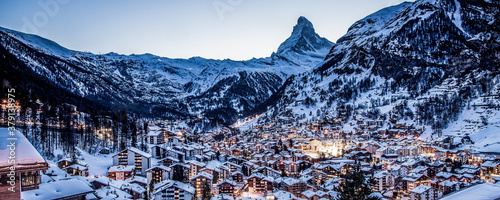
{"x":235,"y":29}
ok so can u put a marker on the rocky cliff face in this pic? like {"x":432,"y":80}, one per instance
{"x":304,"y":46}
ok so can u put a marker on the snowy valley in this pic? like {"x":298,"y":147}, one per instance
{"x":405,"y":105}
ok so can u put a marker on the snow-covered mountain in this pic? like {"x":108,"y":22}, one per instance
{"x":223,"y":89}
{"x":421,"y":63}
{"x":304,"y":43}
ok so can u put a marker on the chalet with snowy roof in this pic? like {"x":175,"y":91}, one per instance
{"x":330,"y":170}
{"x":28,"y":164}
{"x":158,"y":135}
{"x":234,"y":159}
{"x":100,"y":182}
{"x":109,"y":188}
{"x":250,"y":166}
{"x":77,"y":170}
{"x":233,"y":167}
{"x":414,"y":150}
{"x":168,"y":161}
{"x":105,"y":150}
{"x":142,"y":181}
{"x":227,"y":187}
{"x":215,"y":167}
{"x":429,"y":172}
{"x":277,"y":157}
{"x":271,"y":164}
{"x":257,"y":156}
{"x":199,"y":181}
{"x":64,"y":163}
{"x":158,"y":174}
{"x":383,"y":151}
{"x":437,"y":165}
{"x":392,"y":156}
{"x":174,"y":190}
{"x":133,"y":157}
{"x":164,"y":151}
{"x":332,"y":183}
{"x":180,"y":172}
{"x":189,"y":151}
{"x":442,"y":176}
{"x":258,"y":163}
{"x":121,"y":172}
{"x":307,"y":179}
{"x":237,"y":176}
{"x":267,"y":171}
{"x":424,"y":192}
{"x":137,"y":191}
{"x":292,"y":185}
{"x":364,"y":156}
{"x":65,"y":189}
{"x":383,"y":181}
{"x":195,"y":167}
{"x":112,"y":192}
{"x":449,"y":186}
{"x":236,"y":152}
{"x":402,"y":151}
{"x":294,"y":168}
{"x":470,"y":169}
{"x":317,"y":177}
{"x":176,"y":140}
{"x":492,"y":167}
{"x":284,"y":195}
{"x":413,"y":163}
{"x":412,"y":180}
{"x":310,"y":195}
{"x":301,"y":156}
{"x":259,"y":183}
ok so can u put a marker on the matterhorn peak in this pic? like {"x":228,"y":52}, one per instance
{"x":303,"y":28}
{"x":304,"y":40}
{"x":304,"y":22}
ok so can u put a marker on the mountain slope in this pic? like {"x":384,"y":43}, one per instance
{"x":417,"y":63}
{"x":162,"y":86}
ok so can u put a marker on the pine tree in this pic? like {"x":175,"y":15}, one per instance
{"x":178,"y":174}
{"x":150,"y":190}
{"x":43,"y":129}
{"x":217,"y":154}
{"x":244,"y":169}
{"x":145,"y":128}
{"x":133,"y":129}
{"x":206,"y":193}
{"x":355,"y":186}
{"x":283,"y":173}
{"x":216,"y":177}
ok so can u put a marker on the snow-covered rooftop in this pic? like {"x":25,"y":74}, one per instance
{"x":171,"y":183}
{"x":204,"y":174}
{"x":478,"y":192}
{"x":121,"y":168}
{"x":57,"y":190}
{"x":138,"y":151}
{"x":421,"y":189}
{"x":26,"y":154}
